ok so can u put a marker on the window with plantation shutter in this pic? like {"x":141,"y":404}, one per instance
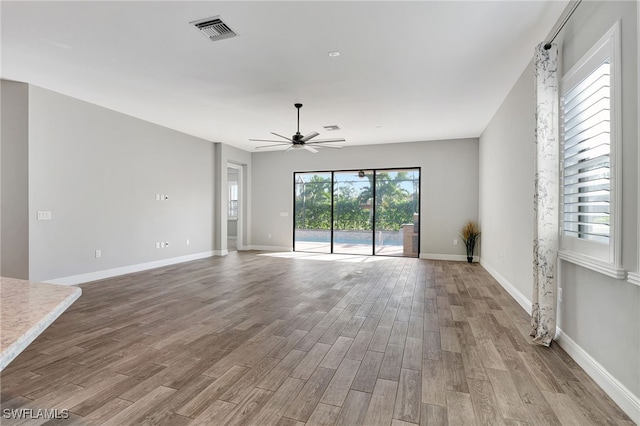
{"x":589,"y":123}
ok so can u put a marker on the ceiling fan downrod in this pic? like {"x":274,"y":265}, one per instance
{"x":298,"y":106}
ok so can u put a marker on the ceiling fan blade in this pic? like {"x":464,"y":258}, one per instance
{"x":327,"y":141}
{"x":272,"y":146}
{"x":309,"y":136}
{"x":283,"y":137}
{"x":289,"y":149}
{"x":264,"y":140}
{"x":328,"y":146}
{"x":308,"y":148}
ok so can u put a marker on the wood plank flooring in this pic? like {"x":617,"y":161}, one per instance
{"x":257,"y":339}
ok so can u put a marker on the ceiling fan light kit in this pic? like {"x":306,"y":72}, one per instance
{"x":298,"y":141}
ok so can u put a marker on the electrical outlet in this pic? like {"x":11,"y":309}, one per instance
{"x":157,"y":197}
{"x":560,"y":295}
{"x":157,"y":245}
{"x":269,"y":235}
{"x":44,"y":215}
{"x":98,"y":253}
{"x":455,"y":242}
{"x":187,"y":242}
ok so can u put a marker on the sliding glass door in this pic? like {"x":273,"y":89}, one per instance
{"x":353,"y":212}
{"x":312,"y":217}
{"x":361,"y":212}
{"x":396,"y":212}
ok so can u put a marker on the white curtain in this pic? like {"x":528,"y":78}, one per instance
{"x":545,"y":244}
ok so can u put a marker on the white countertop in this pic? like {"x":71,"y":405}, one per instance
{"x":27,"y":308}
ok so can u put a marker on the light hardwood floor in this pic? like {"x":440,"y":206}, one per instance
{"x":256,"y":339}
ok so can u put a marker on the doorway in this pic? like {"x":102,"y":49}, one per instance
{"x":364,"y":212}
{"x":234,"y":207}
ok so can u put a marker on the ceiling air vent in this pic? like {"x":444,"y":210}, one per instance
{"x":331,"y":128}
{"x":214,"y":28}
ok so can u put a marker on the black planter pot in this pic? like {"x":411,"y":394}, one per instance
{"x":469,"y":259}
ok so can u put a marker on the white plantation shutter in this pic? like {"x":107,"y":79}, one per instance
{"x":590,"y":167}
{"x":586,"y":113}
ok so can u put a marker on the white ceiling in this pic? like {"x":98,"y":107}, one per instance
{"x":407,"y":71}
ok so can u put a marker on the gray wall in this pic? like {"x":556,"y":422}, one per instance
{"x":98,"y":172}
{"x":601,"y":314}
{"x":506,"y":187}
{"x":15,"y":180}
{"x":449,"y":193}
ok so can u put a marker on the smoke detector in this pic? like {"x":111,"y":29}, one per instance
{"x":214,"y":28}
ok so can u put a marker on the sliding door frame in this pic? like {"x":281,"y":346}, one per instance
{"x":374,"y":171}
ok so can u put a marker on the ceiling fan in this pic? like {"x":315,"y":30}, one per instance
{"x":298,"y":141}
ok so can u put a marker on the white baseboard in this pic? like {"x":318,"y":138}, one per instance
{"x":108,"y":273}
{"x":270,"y":248}
{"x":627,"y":401}
{"x":634,"y":278}
{"x":220,"y":252}
{"x":511,"y":289}
{"x":454,"y":257}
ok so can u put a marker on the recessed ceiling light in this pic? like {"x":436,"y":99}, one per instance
{"x":334,"y":54}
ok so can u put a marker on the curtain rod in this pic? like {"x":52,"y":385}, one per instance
{"x":547,"y":46}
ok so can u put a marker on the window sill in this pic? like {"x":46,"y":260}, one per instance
{"x":634,"y":278}
{"x":593,"y":264}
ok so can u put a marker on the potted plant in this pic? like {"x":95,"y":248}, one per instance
{"x":470,"y":235}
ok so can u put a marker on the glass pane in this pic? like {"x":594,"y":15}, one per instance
{"x":233,"y":199}
{"x":312,"y":216}
{"x":353,"y":212}
{"x":397,"y":212}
